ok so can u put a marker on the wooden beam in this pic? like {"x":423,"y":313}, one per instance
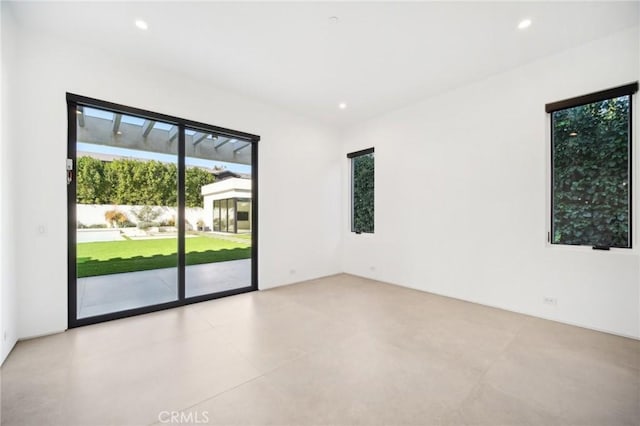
{"x":147,"y":126}
{"x":226,"y":141}
{"x":242,"y":147}
{"x":199,"y":139}
{"x":117,"y":119}
{"x":80,"y":111}
{"x":98,"y":131}
{"x":174,"y":135}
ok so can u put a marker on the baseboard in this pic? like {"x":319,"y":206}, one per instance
{"x":575,"y":324}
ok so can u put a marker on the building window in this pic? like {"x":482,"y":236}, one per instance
{"x":230,"y":214}
{"x":362,"y":190}
{"x":591,"y":169}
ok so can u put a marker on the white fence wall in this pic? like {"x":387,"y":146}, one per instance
{"x":93,"y":214}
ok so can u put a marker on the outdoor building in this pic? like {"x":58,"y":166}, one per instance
{"x":227,"y":203}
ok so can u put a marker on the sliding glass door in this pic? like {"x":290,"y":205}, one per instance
{"x":126,"y":204}
{"x":145,"y":217}
{"x":218,"y":168}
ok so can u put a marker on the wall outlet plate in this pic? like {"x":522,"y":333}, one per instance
{"x":550,"y":301}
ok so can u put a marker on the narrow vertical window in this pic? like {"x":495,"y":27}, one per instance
{"x":362,"y":190}
{"x":591,"y":169}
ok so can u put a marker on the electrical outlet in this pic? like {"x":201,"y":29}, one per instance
{"x":4,"y":336}
{"x":292,"y":271}
{"x":372,"y":268}
{"x":550,"y":301}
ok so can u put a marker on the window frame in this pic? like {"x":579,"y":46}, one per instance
{"x":75,"y":101}
{"x":612,"y":93}
{"x":351,"y":156}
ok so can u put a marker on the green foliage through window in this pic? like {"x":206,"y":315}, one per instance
{"x":591,"y":174}
{"x":362,"y":214}
{"x":135,"y":182}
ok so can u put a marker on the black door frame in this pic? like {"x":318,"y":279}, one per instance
{"x":73,"y":101}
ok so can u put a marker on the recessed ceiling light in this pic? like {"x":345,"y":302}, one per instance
{"x":342,"y":105}
{"x":334,"y":19}
{"x":525,"y":23}
{"x":141,"y":24}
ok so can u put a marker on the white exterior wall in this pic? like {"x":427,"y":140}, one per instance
{"x":221,"y":190}
{"x":226,"y":185}
{"x":472,"y":223}
{"x":93,"y":214}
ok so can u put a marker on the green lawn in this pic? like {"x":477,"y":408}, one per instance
{"x":111,"y":257}
{"x":242,"y":236}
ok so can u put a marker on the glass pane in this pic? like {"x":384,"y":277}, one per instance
{"x":218,"y":171}
{"x":243,"y":216}
{"x":591,"y":174}
{"x":231,"y":215}
{"x":363,"y":193}
{"x":126,"y":195}
{"x":223,"y":215}
{"x":216,"y":215}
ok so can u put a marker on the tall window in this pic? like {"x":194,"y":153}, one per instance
{"x":362,"y":190}
{"x":591,"y":169}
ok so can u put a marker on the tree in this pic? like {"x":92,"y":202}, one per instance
{"x":158,"y":183}
{"x":125,"y":180}
{"x":591,"y":174}
{"x":363,"y":193}
{"x":135,"y":182}
{"x":196,"y":178}
{"x":115,"y":218}
{"x":143,"y":182}
{"x":169,"y":183}
{"x":146,"y":216}
{"x":92,"y":183}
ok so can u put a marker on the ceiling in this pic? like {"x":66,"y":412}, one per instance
{"x":377,"y":57}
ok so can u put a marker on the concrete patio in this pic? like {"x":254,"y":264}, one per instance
{"x":118,"y":292}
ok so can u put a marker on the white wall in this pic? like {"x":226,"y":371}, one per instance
{"x":8,"y":299}
{"x":296,"y":156}
{"x":461,"y":195}
{"x":3,"y":139}
{"x":461,"y":184}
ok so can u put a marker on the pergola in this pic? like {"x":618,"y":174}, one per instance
{"x":123,"y":131}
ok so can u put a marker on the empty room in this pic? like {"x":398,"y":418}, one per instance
{"x":319,"y":213}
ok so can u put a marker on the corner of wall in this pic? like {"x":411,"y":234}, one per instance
{"x":637,"y":120}
{"x":462,"y":189}
{"x":8,"y":297}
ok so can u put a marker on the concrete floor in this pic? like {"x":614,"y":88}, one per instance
{"x":335,"y":351}
{"x":117,"y":292}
